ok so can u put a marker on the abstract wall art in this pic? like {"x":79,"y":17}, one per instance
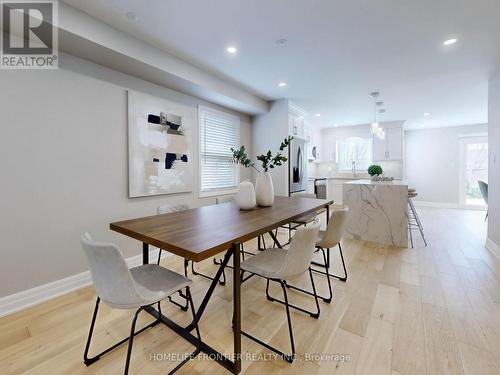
{"x":159,"y":138}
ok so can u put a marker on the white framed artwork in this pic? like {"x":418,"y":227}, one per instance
{"x":160,"y":159}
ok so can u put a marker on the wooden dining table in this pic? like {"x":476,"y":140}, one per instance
{"x":200,"y":233}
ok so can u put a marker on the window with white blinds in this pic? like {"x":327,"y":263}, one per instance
{"x":219,"y":132}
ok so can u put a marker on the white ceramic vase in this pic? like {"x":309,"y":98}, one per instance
{"x":264,"y":190}
{"x":246,"y":196}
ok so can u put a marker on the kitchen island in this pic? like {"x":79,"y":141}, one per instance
{"x":377,"y":211}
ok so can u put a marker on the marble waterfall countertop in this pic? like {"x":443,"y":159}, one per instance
{"x":377,"y":211}
{"x":342,"y":176}
{"x":370,"y":182}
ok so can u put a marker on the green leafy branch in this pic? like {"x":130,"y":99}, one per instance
{"x":268,"y":160}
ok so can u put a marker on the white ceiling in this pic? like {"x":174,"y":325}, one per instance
{"x":337,"y":52}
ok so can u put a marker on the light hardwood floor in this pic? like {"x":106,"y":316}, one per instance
{"x":433,"y":310}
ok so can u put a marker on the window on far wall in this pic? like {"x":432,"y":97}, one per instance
{"x":219,"y":132}
{"x":355,"y":149}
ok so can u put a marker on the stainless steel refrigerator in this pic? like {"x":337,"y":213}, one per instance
{"x":297,"y":161}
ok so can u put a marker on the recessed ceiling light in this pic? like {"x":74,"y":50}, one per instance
{"x":131,"y":16}
{"x":318,"y":114}
{"x":232,"y":50}
{"x":427,"y":114}
{"x":281,"y":41}
{"x":282,"y":84}
{"x":449,"y":42}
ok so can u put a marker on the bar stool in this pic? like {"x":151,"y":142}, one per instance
{"x":414,"y":222}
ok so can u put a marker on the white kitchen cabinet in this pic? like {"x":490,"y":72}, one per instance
{"x":394,"y":143}
{"x":338,"y":191}
{"x":296,"y":125}
{"x":310,"y":186}
{"x":335,"y":190}
{"x":389,"y":148}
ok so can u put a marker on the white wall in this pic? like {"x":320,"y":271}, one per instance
{"x":494,"y":161}
{"x":432,"y":164}
{"x":63,"y":162}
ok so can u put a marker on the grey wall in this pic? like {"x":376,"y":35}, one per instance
{"x":63,"y":162}
{"x":268,"y":131}
{"x":494,"y":160}
{"x":432,"y":161}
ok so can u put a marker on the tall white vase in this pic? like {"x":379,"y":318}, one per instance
{"x":246,"y":196}
{"x":264,"y":190}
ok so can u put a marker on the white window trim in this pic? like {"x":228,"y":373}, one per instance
{"x":213,"y":193}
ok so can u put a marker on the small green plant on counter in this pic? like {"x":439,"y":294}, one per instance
{"x":375,"y":170}
{"x":268,"y":160}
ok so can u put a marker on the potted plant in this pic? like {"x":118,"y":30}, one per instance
{"x":264,"y":190}
{"x":375,"y":170}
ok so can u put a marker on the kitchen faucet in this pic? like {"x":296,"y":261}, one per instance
{"x":354,"y":169}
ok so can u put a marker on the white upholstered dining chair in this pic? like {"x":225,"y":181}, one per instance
{"x":327,"y":240}
{"x":135,"y":288}
{"x":281,"y":266}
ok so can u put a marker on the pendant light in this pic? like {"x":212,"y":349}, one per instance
{"x":375,"y":127}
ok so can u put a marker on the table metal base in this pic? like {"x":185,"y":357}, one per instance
{"x":233,"y":365}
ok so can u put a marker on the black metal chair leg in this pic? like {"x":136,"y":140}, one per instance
{"x":260,"y":239}
{"x":223,"y":282}
{"x":312,"y":314}
{"x":195,"y":322}
{"x":291,"y":357}
{"x":186,"y":264}
{"x":159,"y":312}
{"x":88,"y":361}
{"x":314,"y":290}
{"x":326,"y":265}
{"x":131,"y":340}
{"x":330,"y":292}
{"x":287,"y":357}
{"x":343,"y":263}
{"x":159,"y":257}
{"x":182,"y":307}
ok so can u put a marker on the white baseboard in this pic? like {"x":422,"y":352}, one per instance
{"x":435,"y":204}
{"x":455,"y":206}
{"x":493,"y":247}
{"x":34,"y":296}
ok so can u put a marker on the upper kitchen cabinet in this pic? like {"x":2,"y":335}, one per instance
{"x":296,"y":122}
{"x":389,"y":148}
